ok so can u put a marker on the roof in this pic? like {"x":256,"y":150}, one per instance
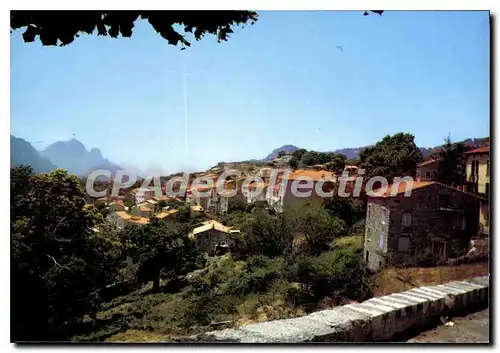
{"x":145,"y":209}
{"x":152,"y":202}
{"x":197,"y":208}
{"x":165,"y":214}
{"x":145,"y":204}
{"x":315,"y":175}
{"x":418,"y":185}
{"x":255,"y":185}
{"x":430,"y":161}
{"x":139,"y":220}
{"x":123,"y":215}
{"x":402,"y":187}
{"x":484,"y":149}
{"x":208,"y":225}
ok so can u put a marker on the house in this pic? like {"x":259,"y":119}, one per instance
{"x":477,"y":172}
{"x":211,"y":234}
{"x":435,"y":218}
{"x":144,"y":209}
{"x":117,"y":206}
{"x":196,"y":211}
{"x":138,"y":221}
{"x":251,"y":192}
{"x":139,"y":195}
{"x":167,"y":215}
{"x":426,"y":171}
{"x":282,"y":194}
{"x":119,"y":219}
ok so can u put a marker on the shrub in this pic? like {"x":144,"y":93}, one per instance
{"x":336,"y":273}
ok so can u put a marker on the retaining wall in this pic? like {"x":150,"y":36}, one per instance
{"x":376,"y":319}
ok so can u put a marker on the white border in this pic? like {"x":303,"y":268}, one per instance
{"x":189,"y":4}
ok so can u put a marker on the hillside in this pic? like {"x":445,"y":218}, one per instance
{"x":22,"y":152}
{"x":276,"y":151}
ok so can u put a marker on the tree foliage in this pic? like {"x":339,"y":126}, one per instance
{"x":59,"y":264}
{"x":451,"y":165}
{"x":61,"y":27}
{"x":318,"y":227}
{"x":268,"y":234}
{"x":393,"y":156}
{"x":303,"y":158}
{"x":161,"y":251}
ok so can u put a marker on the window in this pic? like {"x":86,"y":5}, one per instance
{"x":404,"y":244}
{"x":428,"y":175}
{"x":369,"y":208}
{"x":477,"y":168}
{"x":367,"y":255}
{"x":463,"y":223}
{"x":487,"y":168}
{"x":418,"y":174}
{"x":406,"y":219}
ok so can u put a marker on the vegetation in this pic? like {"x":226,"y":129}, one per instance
{"x":451,"y":165}
{"x":69,"y":280}
{"x":393,"y":156}
{"x":59,"y":266}
{"x":302,"y":158}
{"x":61,"y":27}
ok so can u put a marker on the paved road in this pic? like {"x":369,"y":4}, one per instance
{"x":473,"y":328}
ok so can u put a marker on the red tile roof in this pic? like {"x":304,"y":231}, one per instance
{"x":484,"y":149}
{"x":430,"y":161}
{"x":417,"y":185}
{"x":402,"y":187}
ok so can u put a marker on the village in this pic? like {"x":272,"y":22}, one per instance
{"x":394,"y":224}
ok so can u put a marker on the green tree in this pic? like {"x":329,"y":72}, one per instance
{"x":268,"y":234}
{"x":162,"y":251}
{"x":393,"y":156}
{"x":318,"y":227}
{"x":59,"y":264}
{"x":451,"y":165}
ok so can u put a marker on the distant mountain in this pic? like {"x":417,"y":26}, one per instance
{"x":22,"y":152}
{"x":74,"y":157}
{"x":275,"y":152}
{"x":354,"y":152}
{"x":350,"y":152}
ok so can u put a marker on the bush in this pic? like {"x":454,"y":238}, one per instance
{"x":259,"y":275}
{"x":336,"y":273}
{"x":426,"y":258}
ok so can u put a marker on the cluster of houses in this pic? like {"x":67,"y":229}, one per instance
{"x":435,"y":217}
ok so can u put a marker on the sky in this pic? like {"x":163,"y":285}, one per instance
{"x":284,"y":80}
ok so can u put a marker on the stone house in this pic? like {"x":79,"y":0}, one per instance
{"x":434,"y":218}
{"x":210,"y":234}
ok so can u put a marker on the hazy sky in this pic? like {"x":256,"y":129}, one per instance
{"x":281,"y":81}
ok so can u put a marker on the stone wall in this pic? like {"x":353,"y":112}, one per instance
{"x":377,"y":319}
{"x":376,"y":234}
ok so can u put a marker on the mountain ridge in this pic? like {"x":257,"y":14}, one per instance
{"x":353,"y":152}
